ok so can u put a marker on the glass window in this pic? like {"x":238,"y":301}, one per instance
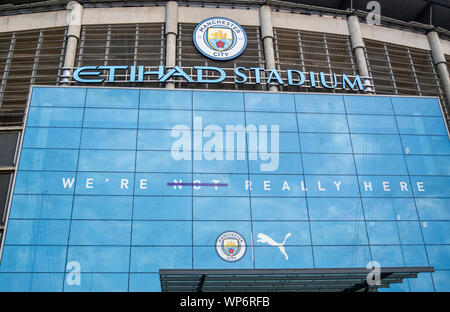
{"x":42,"y":182}
{"x":275,"y":185}
{"x":37,"y":232}
{"x":151,"y":259}
{"x":433,"y":208}
{"x":48,"y":159}
{"x":341,"y":256}
{"x":372,"y":124}
{"x":206,"y":258}
{"x":33,"y":259}
{"x":380,"y":164}
{"x":207,"y":232}
{"x":162,"y":140}
{"x":174,"y":233}
{"x":440,"y":279}
{"x":421,"y":125}
{"x":428,"y":165}
{"x":335,"y":209}
{"x":355,"y":104}
{"x":269,"y":102}
{"x":41,"y":207}
{"x":110,"y":118}
{"x":384,"y":233}
{"x":431,"y":186}
{"x":439,"y":256}
{"x":161,"y":161}
{"x":101,"y":282}
{"x":279,"y":163}
{"x":389,"y":209}
{"x":416,"y":144}
{"x":279,"y":232}
{"x":285,"y":121}
{"x":68,"y":97}
{"x":5,"y":179}
{"x":90,"y":232}
{"x":268,"y":257}
{"x":52,"y":137}
{"x":100,"y":258}
{"x":229,"y":184}
{"x":148,"y":282}
{"x":416,"y":106}
{"x":276,"y":208}
{"x":399,"y":256}
{"x":325,"y":143}
{"x":385,"y":186}
{"x":164,"y":184}
{"x":328,"y":164}
{"x":31,"y":282}
{"x":204,"y":119}
{"x":164,"y":119}
{"x":8,"y":144}
{"x":323,"y":103}
{"x":217,"y":100}
{"x":288,"y":142}
{"x":329,"y":186}
{"x":436,"y":232}
{"x":104,"y":183}
{"x":162,"y":208}
{"x":108,"y":139}
{"x":221,"y":208}
{"x":125,"y":98}
{"x":338,"y":233}
{"x":376,"y":144}
{"x":55,"y":117}
{"x":165,"y":99}
{"x":106,"y":160}
{"x":322,"y":123}
{"x":102,"y":207}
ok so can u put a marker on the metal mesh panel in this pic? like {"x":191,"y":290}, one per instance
{"x":28,"y":57}
{"x":188,"y":57}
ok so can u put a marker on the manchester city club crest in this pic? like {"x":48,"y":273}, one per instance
{"x":220,"y":38}
{"x":230,"y":246}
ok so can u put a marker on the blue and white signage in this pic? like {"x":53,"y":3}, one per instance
{"x":220,"y":38}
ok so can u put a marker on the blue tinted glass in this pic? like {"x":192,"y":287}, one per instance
{"x":389,"y":209}
{"x":164,"y":119}
{"x":84,"y":232}
{"x":275,"y":185}
{"x":33,"y":259}
{"x":100,"y":258}
{"x":165,"y":99}
{"x":322,"y":123}
{"x":416,"y":144}
{"x":338,"y":233}
{"x":207,"y":120}
{"x":325,"y":143}
{"x":329,"y":186}
{"x":285,"y":121}
{"x":110,"y":118}
{"x":108,"y":183}
{"x":341,"y":256}
{"x":160,"y":161}
{"x":163,"y":140}
{"x":268,"y":257}
{"x":399,"y":256}
{"x":439,"y":256}
{"x":47,"y":159}
{"x":106,"y":160}
{"x":31,"y":281}
{"x":279,"y":208}
{"x":324,"y":103}
{"x":416,"y":106}
{"x":207,"y":258}
{"x":149,"y":282}
{"x":41,"y":182}
{"x":368,"y":104}
{"x":125,"y":98}
{"x":288,"y":142}
{"x":52,"y":137}
{"x":207,"y":232}
{"x":69,"y":97}
{"x":428,"y":165}
{"x":380,"y":164}
{"x":421,"y":125}
{"x":219,"y":100}
{"x":222,"y":165}
{"x":440,"y":279}
{"x":102,"y":207}
{"x":41,"y":206}
{"x":422,"y":283}
{"x":335,"y":209}
{"x":372,"y":124}
{"x":431,"y":186}
{"x":108,"y":139}
{"x":149,"y":233}
{"x":100,"y":282}
{"x":436,"y":232}
{"x":387,"y":186}
{"x":328,"y":164}
{"x":220,"y":208}
{"x":384,"y":233}
{"x":37,"y":232}
{"x":162,"y":208}
{"x":376,"y":143}
{"x":433,"y":208}
{"x":284,"y":163}
{"x":157,"y":184}
{"x":279,"y":232}
{"x":410,"y":232}
{"x":151,"y":259}
{"x":229,"y":184}
{"x":269,"y":102}
{"x":55,"y":117}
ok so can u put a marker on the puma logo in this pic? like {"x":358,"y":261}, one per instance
{"x":263,"y":238}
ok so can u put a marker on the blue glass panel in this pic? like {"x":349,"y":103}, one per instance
{"x":37,"y":232}
{"x":149,"y":282}
{"x":110,"y":118}
{"x":108,"y":139}
{"x":55,"y":117}
{"x":233,"y":185}
{"x":100,"y":282}
{"x":275,"y":185}
{"x":35,"y":282}
{"x":400,"y":256}
{"x":160,"y":161}
{"x":341,"y":256}
{"x":285,"y":121}
{"x":100,"y":258}
{"x":268,"y":257}
{"x":431,"y":186}
{"x":338,"y":233}
{"x":126,"y":98}
{"x":151,"y":259}
{"x":85,"y":232}
{"x":324,"y":103}
{"x":40,"y":159}
{"x":52,"y":138}
{"x":69,"y":97}
{"x":221,"y":208}
{"x":41,"y":206}
{"x":433,"y":208}
{"x":165,"y":99}
{"x":372,"y":124}
{"x":389,"y":209}
{"x":41,"y":182}
{"x":279,"y":232}
{"x":416,"y":106}
{"x":335,"y":209}
{"x":33,"y":259}
{"x":368,"y":104}
{"x":164,"y":119}
{"x":279,"y":208}
{"x":439,"y":256}
{"x":104,"y":183}
{"x":387,"y":186}
{"x":162,"y":233}
{"x":440,"y":279}
{"x":106,"y":160}
{"x":221,"y":166}
{"x":329,"y":186}
{"x":325,"y":143}
{"x":207,"y":232}
{"x":421,"y":125}
{"x":423,"y":283}
{"x":218,"y":100}
{"x":428,"y":165}
{"x":102,"y":207}
{"x":328,"y":164}
{"x":207,"y":258}
{"x":384,"y":233}
{"x":156,"y":184}
{"x":416,"y":144}
{"x":376,"y":144}
{"x":288,"y":142}
{"x":436,"y":232}
{"x":322,"y":123}
{"x":269,"y":102}
{"x":205,"y":119}
{"x":162,"y":208}
{"x":281,"y":163}
{"x":163,"y":140}
{"x":381,"y":164}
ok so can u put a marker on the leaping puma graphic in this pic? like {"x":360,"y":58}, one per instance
{"x":263,"y":238}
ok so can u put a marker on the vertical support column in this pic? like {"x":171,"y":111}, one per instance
{"x":73,"y":36}
{"x":440,"y":62}
{"x":171,"y":32}
{"x":359,"y":51}
{"x":265,"y":20}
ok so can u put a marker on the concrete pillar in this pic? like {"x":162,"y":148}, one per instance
{"x":73,"y":36}
{"x":440,"y":62}
{"x":359,"y":51}
{"x":171,"y":33}
{"x":265,"y":20}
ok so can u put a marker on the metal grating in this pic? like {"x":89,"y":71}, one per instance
{"x":281,"y":280}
